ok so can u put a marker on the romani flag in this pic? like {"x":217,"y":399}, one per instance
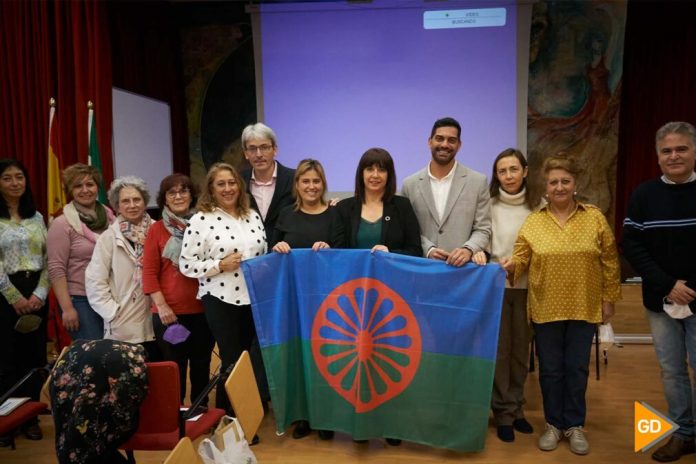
{"x":94,"y":159}
{"x":56,"y":195}
{"x":378,"y":344}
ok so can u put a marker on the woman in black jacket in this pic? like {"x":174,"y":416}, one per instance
{"x":377,"y":218}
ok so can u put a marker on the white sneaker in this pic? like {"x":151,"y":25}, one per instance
{"x":548,"y":441}
{"x":578,"y":442}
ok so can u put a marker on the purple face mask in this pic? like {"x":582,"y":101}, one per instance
{"x":176,"y":333}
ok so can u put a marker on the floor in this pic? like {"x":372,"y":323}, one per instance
{"x":631,"y":374}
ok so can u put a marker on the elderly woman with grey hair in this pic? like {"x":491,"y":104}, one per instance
{"x":113,"y":280}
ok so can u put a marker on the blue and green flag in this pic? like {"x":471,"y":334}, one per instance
{"x":378,"y":344}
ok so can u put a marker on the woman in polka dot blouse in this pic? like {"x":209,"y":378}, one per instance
{"x":224,"y":232}
{"x":570,"y":253}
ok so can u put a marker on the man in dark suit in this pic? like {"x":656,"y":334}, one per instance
{"x":269,"y":183}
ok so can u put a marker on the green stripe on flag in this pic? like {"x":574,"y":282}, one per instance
{"x":446,"y":405}
{"x":95,"y":159}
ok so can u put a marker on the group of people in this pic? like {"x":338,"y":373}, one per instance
{"x":123,"y":276}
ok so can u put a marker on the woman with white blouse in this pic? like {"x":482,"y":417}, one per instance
{"x":224,"y":232}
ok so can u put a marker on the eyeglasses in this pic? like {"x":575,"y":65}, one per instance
{"x":264,"y":149}
{"x":173,"y":193}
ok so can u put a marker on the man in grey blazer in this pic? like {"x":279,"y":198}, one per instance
{"x":451,"y":201}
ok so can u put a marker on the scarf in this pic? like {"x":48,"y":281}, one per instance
{"x":135,"y":234}
{"x":74,"y":214}
{"x":94,"y":219}
{"x":175,"y":225}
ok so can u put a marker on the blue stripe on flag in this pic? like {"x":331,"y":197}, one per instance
{"x":457,"y":309}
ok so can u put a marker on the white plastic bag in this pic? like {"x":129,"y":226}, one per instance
{"x":606,"y":336}
{"x":228,"y":445}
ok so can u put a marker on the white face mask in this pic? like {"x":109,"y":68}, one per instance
{"x":676,"y":311}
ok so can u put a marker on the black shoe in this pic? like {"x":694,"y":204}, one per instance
{"x":255,"y":440}
{"x":674,"y":449}
{"x":393,"y":441}
{"x":522,"y":426}
{"x":326,"y":434}
{"x":301,"y":430}
{"x":506,"y":433}
{"x":32,"y":432}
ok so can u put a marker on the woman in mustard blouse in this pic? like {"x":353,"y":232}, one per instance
{"x":570,"y":254}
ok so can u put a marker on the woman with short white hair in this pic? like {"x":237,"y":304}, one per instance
{"x":113,"y":279}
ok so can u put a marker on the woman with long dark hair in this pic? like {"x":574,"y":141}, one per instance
{"x":510,"y":206}
{"x":23,"y":287}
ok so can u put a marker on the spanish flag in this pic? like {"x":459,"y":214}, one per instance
{"x":56,"y":195}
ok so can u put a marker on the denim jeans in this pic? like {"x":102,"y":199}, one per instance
{"x":91,"y":323}
{"x":674,"y":339}
{"x":564,"y":357}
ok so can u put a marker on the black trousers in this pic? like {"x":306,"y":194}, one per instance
{"x":193,"y":354}
{"x":233,"y":329}
{"x":20,"y":353}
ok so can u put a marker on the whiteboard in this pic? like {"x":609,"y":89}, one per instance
{"x":142,"y":139}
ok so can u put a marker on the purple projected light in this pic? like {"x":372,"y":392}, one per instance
{"x":340,"y":78}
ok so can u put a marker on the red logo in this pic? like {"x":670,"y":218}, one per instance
{"x":366,"y":343}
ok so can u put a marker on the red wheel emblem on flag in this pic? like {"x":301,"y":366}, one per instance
{"x":366,"y":343}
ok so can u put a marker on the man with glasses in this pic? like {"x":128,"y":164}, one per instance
{"x":451,"y":201}
{"x":269,"y":183}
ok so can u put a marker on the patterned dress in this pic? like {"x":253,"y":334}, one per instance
{"x":96,"y":392}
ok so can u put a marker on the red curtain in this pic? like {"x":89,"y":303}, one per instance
{"x":28,"y":74}
{"x":57,"y":49}
{"x":658,"y":86}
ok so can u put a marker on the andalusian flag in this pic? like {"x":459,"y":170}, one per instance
{"x":56,"y":195}
{"x":94,"y":159}
{"x":379,"y":344}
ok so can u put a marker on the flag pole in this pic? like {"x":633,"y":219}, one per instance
{"x":56,"y":195}
{"x":90,"y":116}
